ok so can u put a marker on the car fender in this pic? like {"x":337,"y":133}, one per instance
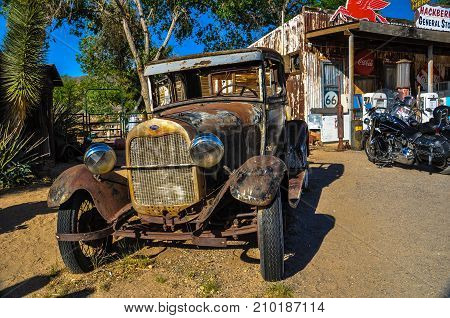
{"x":297,"y":142}
{"x":258,"y":180}
{"x":109,"y":192}
{"x":297,"y":134}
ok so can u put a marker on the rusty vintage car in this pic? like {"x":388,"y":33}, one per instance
{"x":217,"y":161}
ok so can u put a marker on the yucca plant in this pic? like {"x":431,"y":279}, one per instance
{"x":17,"y":155}
{"x":65,"y":122}
{"x":23,"y":56}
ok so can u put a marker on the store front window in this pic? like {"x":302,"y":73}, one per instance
{"x":390,"y":76}
{"x":331,"y":73}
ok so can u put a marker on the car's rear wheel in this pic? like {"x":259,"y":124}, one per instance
{"x":79,"y":215}
{"x":271,"y":241}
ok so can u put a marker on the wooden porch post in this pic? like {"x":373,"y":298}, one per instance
{"x":351,"y":77}
{"x":430,"y":68}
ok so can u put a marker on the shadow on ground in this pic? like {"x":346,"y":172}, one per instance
{"x":305,"y":233}
{"x":307,"y":229}
{"x":27,"y":286}
{"x":85,"y":292}
{"x":13,"y":217}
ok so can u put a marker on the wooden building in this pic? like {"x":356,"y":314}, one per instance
{"x":40,"y":120}
{"x":318,"y":53}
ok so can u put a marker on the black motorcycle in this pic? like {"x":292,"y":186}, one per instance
{"x":390,"y":140}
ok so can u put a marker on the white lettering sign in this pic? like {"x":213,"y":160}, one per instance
{"x":433,"y":18}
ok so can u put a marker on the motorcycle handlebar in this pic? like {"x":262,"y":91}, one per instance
{"x":373,"y":109}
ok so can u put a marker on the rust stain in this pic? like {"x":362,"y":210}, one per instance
{"x":258,"y":180}
{"x":112,"y":186}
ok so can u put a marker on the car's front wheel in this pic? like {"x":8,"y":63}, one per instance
{"x":271,"y":241}
{"x":79,"y":215}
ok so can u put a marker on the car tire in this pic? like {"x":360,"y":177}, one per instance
{"x":73,"y":254}
{"x":271,"y":241}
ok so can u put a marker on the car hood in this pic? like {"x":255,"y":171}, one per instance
{"x":211,"y":117}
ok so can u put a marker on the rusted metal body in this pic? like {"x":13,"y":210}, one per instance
{"x":295,"y":189}
{"x":166,"y":195}
{"x":258,"y":180}
{"x":109,"y":193}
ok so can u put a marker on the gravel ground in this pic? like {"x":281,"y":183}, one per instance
{"x":361,"y":231}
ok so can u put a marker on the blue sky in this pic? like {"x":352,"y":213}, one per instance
{"x":64,"y":46}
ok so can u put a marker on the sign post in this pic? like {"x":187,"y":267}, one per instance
{"x":340,"y":118}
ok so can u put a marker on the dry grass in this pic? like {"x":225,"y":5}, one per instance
{"x":102,"y":278}
{"x":160,"y":279}
{"x":279,"y":290}
{"x":209,"y":287}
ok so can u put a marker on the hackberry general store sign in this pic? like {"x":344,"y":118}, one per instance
{"x":433,"y":18}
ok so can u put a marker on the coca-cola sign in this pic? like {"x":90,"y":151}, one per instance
{"x":364,"y":63}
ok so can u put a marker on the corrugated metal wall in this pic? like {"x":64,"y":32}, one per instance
{"x":305,"y":87}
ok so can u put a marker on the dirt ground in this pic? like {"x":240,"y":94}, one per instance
{"x":361,"y":231}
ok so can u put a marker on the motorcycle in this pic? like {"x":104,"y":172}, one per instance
{"x":395,"y":137}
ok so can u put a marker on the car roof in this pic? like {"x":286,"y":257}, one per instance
{"x":197,"y":61}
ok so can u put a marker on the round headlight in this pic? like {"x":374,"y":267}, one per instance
{"x":100,"y":158}
{"x":367,"y":121}
{"x":206,"y":150}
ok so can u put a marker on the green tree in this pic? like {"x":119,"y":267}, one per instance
{"x":443,"y":2}
{"x":330,"y":4}
{"x":24,"y":51}
{"x":79,"y":92}
{"x":238,"y":23}
{"x":140,"y":22}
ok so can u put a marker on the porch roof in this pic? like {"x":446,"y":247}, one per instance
{"x":389,"y":33}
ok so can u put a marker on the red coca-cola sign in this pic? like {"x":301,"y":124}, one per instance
{"x":364,"y":62}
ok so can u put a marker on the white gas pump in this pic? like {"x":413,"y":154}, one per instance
{"x":428,"y":102}
{"x":373,"y":100}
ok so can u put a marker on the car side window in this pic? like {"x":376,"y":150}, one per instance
{"x":170,"y":89}
{"x":274,"y":83}
{"x":163,"y":91}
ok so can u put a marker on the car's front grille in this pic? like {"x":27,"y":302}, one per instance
{"x":162,"y":171}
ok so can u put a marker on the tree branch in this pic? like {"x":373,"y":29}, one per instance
{"x":129,"y":35}
{"x":151,"y":13}
{"x":144,"y":27}
{"x":176,"y":14}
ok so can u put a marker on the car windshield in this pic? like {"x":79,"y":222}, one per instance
{"x":205,"y":83}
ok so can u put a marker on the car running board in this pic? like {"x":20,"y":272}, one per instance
{"x":295,"y":189}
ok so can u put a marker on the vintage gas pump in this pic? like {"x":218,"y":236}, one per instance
{"x":373,"y":100}
{"x":403,"y":78}
{"x":428,"y":102}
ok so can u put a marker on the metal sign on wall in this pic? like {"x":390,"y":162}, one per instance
{"x":361,"y":10}
{"x":418,"y":3}
{"x":364,"y":62}
{"x":422,"y":76}
{"x":433,"y":18}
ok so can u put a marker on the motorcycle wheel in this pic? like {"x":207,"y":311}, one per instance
{"x":445,"y":169}
{"x":370,"y":150}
